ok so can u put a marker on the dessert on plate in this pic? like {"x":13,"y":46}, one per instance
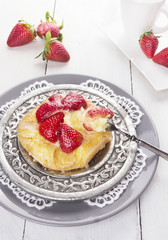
{"x":65,"y":132}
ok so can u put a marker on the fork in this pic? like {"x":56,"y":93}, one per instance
{"x":112,"y":127}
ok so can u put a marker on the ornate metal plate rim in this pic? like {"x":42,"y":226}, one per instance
{"x":71,"y":195}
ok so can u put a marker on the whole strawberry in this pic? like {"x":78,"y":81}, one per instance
{"x":148,"y":43}
{"x":162,"y":57}
{"x":21,"y":34}
{"x":54,"y":50}
{"x":48,"y":25}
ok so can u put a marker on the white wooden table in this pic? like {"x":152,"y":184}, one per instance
{"x":92,"y":53}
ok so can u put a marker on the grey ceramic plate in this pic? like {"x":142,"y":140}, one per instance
{"x":79,"y":212}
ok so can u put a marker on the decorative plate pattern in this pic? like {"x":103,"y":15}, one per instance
{"x":30,"y":200}
{"x":113,"y":194}
{"x":129,"y":106}
{"x":76,"y":186}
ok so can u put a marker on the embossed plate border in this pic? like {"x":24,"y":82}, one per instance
{"x":71,"y":195}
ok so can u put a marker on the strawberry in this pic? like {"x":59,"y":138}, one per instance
{"x":69,"y":138}
{"x":100,"y":112}
{"x":54,"y":50}
{"x":46,"y":110}
{"x":87,"y":126}
{"x":56,"y":98}
{"x":21,"y":34}
{"x":162,"y":57}
{"x":48,"y":25}
{"x":57,"y":52}
{"x":74,"y":101}
{"x":148,"y":43}
{"x":49,"y":128}
{"x":93,"y":118}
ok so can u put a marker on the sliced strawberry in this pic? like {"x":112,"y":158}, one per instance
{"x":87,"y":127}
{"x":49,"y":128}
{"x":56,"y":98}
{"x":162,"y":57}
{"x":45,"y":111}
{"x":96,"y":118}
{"x":149,"y":43}
{"x":69,"y":138}
{"x":21,"y":34}
{"x":74,"y":101}
{"x":100,"y":112}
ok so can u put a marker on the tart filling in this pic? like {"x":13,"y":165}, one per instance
{"x":65,"y":132}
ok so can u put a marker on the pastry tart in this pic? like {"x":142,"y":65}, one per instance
{"x":64,"y":132}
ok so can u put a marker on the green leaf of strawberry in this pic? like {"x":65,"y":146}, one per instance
{"x":48,"y":17}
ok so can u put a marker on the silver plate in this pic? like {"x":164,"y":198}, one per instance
{"x":104,"y":172}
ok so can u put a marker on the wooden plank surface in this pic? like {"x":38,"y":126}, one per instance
{"x":154,"y":201}
{"x":92,"y":53}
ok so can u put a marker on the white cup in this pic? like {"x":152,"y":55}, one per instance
{"x":139,"y":16}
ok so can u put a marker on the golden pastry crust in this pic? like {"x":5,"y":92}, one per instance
{"x":50,"y":154}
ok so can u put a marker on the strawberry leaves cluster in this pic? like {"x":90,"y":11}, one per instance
{"x":149,"y":44}
{"x":24,"y":33}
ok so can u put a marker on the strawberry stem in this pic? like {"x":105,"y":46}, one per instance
{"x":147,"y":34}
{"x":60,"y":37}
{"x":48,"y":17}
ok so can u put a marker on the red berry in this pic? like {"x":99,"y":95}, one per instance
{"x":74,"y":101}
{"x":45,"y":111}
{"x":162,"y":57}
{"x":49,"y":128}
{"x":57,"y":52}
{"x":21,"y":34}
{"x":54,"y":50}
{"x":69,"y":138}
{"x":44,"y":27}
{"x":94,"y":113}
{"x":48,"y":25}
{"x":100,"y":112}
{"x":87,"y":127}
{"x":148,"y":43}
{"x":56,"y":98}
